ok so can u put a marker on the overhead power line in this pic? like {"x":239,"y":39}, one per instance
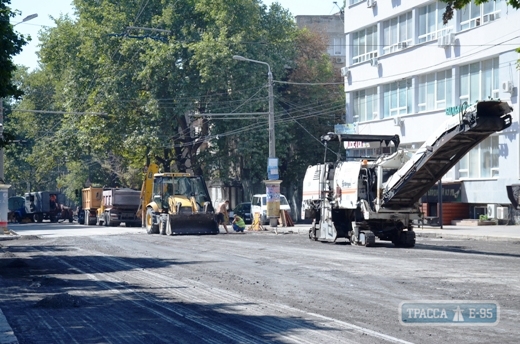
{"x":63,"y":112}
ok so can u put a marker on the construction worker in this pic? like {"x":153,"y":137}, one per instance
{"x":238,"y":224}
{"x":222,"y":214}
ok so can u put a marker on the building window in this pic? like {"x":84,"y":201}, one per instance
{"x":364,"y":44}
{"x":430,"y":22}
{"x":435,"y":91}
{"x":397,"y":33}
{"x":479,"y":81}
{"x":473,"y":15}
{"x":481,"y":161}
{"x":365,"y":105}
{"x":339,"y":46}
{"x":397,"y":98}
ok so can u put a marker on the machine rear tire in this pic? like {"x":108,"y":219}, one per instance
{"x":406,"y":239}
{"x":151,"y":228}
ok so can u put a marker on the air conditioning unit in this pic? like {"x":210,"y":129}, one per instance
{"x":492,"y":211}
{"x":374,"y":62}
{"x":401,"y":45}
{"x":338,"y":60}
{"x":446,"y":40}
{"x":345,"y":72}
{"x":398,"y":121}
{"x":371,"y":3}
{"x":502,"y":213}
{"x":507,"y":87}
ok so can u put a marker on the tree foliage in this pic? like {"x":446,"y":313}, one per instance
{"x":452,"y":5}
{"x":10,"y":44}
{"x":131,"y":95}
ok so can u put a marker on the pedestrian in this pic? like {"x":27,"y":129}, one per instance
{"x":221,"y":214}
{"x":238,"y":224}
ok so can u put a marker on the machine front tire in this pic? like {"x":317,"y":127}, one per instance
{"x":151,"y":228}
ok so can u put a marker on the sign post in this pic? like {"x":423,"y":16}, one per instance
{"x":4,"y":196}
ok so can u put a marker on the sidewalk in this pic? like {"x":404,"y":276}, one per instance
{"x":490,"y":233}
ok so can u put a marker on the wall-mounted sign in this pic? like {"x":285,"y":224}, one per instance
{"x":450,"y":193}
{"x":455,"y":110}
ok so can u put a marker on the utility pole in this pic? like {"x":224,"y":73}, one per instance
{"x":272,"y":184}
{"x":4,"y":194}
{"x":2,"y":138}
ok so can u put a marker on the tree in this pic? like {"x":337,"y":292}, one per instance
{"x":134,"y":95}
{"x":147,"y":85}
{"x":452,"y":5}
{"x":10,"y":44}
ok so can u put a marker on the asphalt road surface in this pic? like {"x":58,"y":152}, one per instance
{"x":124,"y":286}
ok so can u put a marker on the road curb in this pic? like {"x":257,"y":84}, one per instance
{"x":296,"y":230}
{"x":11,"y":236}
{"x":6,"y":332}
{"x":465,"y":236}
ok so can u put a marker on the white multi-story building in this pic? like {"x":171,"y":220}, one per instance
{"x":406,"y":72}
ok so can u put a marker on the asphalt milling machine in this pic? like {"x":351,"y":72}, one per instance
{"x":362,"y":198}
{"x":176,"y":203}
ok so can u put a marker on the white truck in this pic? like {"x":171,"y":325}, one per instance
{"x":259,"y":205}
{"x":364,"y":198}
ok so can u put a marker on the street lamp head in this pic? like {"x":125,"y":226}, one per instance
{"x":29,"y":17}
{"x":239,"y":58}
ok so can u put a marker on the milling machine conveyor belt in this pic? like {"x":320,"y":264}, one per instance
{"x":443,"y":150}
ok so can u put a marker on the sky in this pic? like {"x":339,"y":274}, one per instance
{"x":55,"y":8}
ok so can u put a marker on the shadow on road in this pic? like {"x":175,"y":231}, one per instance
{"x":90,"y":301}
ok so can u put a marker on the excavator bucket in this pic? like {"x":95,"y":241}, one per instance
{"x":192,"y":223}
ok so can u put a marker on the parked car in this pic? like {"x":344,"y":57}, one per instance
{"x":243,"y":210}
{"x":259,"y":205}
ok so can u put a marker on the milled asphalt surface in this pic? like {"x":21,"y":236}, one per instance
{"x":489,"y":232}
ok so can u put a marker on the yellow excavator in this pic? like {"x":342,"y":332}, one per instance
{"x":176,"y":203}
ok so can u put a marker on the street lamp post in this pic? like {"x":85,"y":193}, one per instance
{"x":272,"y":148}
{"x":272,"y":183}
{"x":4,"y":194}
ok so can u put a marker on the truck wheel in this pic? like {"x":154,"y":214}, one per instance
{"x":108,"y":221}
{"x":38,"y":218}
{"x":151,"y":228}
